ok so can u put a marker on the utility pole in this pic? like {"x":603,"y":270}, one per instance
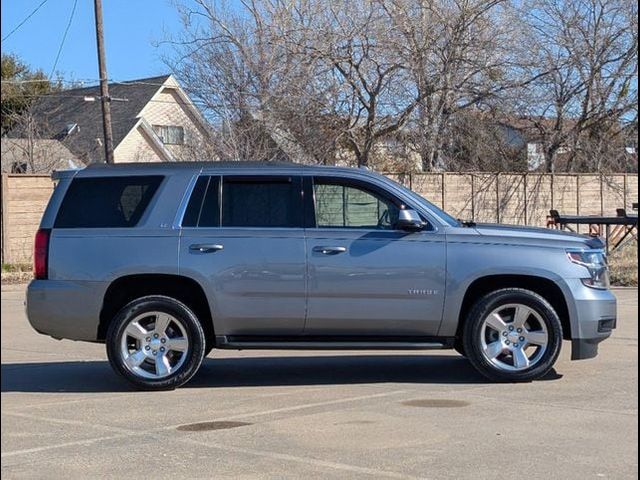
{"x":104,"y":85}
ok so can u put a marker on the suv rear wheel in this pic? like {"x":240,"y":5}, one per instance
{"x":512,"y":335}
{"x":156,"y":343}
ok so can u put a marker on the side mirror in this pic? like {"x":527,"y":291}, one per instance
{"x":409,"y":220}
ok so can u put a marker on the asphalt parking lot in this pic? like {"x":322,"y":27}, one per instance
{"x":336,"y":415}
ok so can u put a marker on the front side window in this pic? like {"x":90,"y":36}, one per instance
{"x":263,"y":202}
{"x":106,"y":202}
{"x":170,"y":134}
{"x":340,"y":205}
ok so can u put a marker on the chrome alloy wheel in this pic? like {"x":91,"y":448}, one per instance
{"x":514,"y":337}
{"x":154,"y":345}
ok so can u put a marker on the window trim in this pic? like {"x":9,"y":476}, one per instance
{"x":201,"y":204}
{"x":184,"y":203}
{"x":364,"y":185}
{"x":190,"y":197}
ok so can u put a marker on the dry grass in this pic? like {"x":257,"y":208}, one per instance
{"x":16,"y":268}
{"x":624,"y":266}
{"x":20,"y":273}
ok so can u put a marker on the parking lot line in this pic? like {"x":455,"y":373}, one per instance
{"x":304,"y":460}
{"x":312,"y":405}
{"x":27,"y":451}
{"x":334,"y":419}
{"x":122,"y":432}
{"x":632,"y":413}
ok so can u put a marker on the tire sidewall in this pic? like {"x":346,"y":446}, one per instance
{"x":473,"y":332}
{"x":195,"y":335}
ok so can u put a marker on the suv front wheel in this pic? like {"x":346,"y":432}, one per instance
{"x":512,"y":335}
{"x":156,"y":342}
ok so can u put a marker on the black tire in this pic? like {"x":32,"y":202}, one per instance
{"x":194,"y":353}
{"x":473,"y":330}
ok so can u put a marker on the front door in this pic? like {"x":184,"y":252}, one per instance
{"x":366,"y":277}
{"x":242,"y":238}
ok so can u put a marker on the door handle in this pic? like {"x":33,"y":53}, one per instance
{"x":329,"y":250}
{"x":205,"y":248}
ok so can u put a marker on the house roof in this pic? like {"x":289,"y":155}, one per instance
{"x":60,"y":110}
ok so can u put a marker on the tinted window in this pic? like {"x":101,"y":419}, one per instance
{"x":192,"y":213}
{"x":106,"y":201}
{"x":349,"y":206}
{"x":203,"y":209}
{"x":261,"y":202}
{"x":210,"y":214}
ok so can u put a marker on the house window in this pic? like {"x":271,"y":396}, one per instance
{"x":170,"y":134}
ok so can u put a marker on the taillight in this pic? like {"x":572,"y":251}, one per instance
{"x":41,"y":254}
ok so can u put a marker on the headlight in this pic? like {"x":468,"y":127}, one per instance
{"x":595,"y":261}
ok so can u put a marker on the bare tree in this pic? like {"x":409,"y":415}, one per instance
{"x":460,"y":56}
{"x":259,"y":94}
{"x":480,"y":142}
{"x":313,"y":77}
{"x":355,"y":80}
{"x":349,"y":42}
{"x":588,"y":52}
{"x":31,"y":149}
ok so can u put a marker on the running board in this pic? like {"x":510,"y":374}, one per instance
{"x":332,"y":343}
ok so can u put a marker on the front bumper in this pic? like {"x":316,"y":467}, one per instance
{"x":593,"y":319}
{"x":65,"y":309}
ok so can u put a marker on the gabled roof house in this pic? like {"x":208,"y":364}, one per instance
{"x":153,"y":119}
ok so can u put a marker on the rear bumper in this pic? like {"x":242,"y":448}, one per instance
{"x":594,"y":320}
{"x":65,"y":309}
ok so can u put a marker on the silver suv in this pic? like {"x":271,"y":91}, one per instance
{"x":164,"y":262}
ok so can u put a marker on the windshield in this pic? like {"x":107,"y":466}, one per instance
{"x":444,"y":216}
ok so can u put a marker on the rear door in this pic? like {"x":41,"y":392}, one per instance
{"x":366,"y":277}
{"x":242,"y":237}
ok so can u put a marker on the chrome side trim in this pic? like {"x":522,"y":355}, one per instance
{"x":177,"y":221}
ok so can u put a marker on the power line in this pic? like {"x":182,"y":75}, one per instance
{"x":64,"y":37}
{"x":25,"y":20}
{"x":63,"y":95}
{"x":61,"y":80}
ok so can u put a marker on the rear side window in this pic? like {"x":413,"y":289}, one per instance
{"x":203,"y":209}
{"x":262,"y":202}
{"x":106,"y":202}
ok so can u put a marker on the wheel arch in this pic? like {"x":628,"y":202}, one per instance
{"x":545,"y":287}
{"x":127,"y":288}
